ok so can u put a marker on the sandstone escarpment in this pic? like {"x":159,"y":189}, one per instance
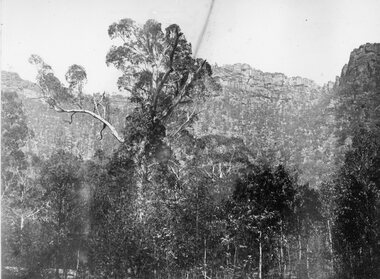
{"x":283,"y":120}
{"x":357,"y":92}
{"x":13,"y":82}
{"x":363,"y":68}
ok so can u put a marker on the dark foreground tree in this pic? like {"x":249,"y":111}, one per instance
{"x":133,"y":191}
{"x":262,"y":204}
{"x":357,"y":225}
{"x":61,"y":178}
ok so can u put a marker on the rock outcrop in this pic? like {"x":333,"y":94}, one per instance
{"x":363,"y":67}
{"x":357,"y":92}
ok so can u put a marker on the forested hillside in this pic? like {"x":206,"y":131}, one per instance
{"x":52,"y":130}
{"x":281,"y":120}
{"x":193,"y":171}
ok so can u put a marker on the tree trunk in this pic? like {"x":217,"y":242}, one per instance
{"x":282,"y":261}
{"x":279,"y":261}
{"x":299,"y":248}
{"x":235,"y":259}
{"x":330,"y":245}
{"x":22,"y":222}
{"x":289,"y":260}
{"x":307,"y":259}
{"x":205,"y":259}
{"x":260,"y":257}
{"x":299,"y":262}
{"x":77,"y":267}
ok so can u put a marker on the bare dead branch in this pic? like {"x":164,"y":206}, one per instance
{"x":94,"y":115}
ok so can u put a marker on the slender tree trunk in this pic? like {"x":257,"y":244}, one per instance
{"x":282,"y":261}
{"x":56,"y":259}
{"x":58,"y":238}
{"x":279,"y":271}
{"x":197,"y":218}
{"x":299,"y":262}
{"x":330,"y":245}
{"x":205,"y":259}
{"x":260,"y":256}
{"x":155,"y":257}
{"x":289,"y":260}
{"x":235,"y":259}
{"x":299,"y":248}
{"x":22,"y":222}
{"x":283,"y":257}
{"x":77,"y":267}
{"x":307,"y":259}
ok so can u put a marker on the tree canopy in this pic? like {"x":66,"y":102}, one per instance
{"x":158,"y":70}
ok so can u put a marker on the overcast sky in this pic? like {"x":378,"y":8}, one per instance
{"x":309,"y":38}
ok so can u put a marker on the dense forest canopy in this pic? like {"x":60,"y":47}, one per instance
{"x":213,"y":172}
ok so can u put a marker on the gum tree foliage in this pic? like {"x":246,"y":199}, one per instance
{"x":158,"y":71}
{"x":165,"y":85}
{"x":14,"y":135}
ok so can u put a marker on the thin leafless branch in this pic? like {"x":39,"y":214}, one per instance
{"x":94,"y":115}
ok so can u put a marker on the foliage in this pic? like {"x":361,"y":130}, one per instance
{"x":21,"y":197}
{"x":61,"y":179}
{"x":262,"y":202}
{"x":177,"y":200}
{"x":356,"y":231}
{"x":158,"y":71}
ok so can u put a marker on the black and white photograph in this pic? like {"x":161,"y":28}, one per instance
{"x":190,"y":139}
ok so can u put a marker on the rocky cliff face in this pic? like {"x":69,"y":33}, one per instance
{"x":292,"y":120}
{"x":363,"y":68}
{"x":357,"y":92}
{"x":13,"y":82}
{"x":283,"y":120}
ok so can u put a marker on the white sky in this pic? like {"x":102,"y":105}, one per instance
{"x":309,"y":38}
